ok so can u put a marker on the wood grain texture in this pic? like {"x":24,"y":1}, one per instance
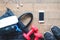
{"x":51,"y":15}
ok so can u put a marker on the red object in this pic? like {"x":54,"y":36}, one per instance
{"x":27,"y":36}
{"x":37,"y":36}
{"x":34,"y":31}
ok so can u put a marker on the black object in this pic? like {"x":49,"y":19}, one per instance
{"x":56,"y":34}
{"x":41,"y":16}
{"x":21,"y":25}
{"x":56,"y":31}
{"x":4,"y":31}
{"x":49,"y":36}
{"x":9,"y":28}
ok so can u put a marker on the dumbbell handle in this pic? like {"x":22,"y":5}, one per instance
{"x":30,"y":32}
{"x":36,"y":38}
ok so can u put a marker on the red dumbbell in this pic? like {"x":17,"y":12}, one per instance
{"x":27,"y":36}
{"x":37,"y":36}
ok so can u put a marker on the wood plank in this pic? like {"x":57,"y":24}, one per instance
{"x":52,"y":13}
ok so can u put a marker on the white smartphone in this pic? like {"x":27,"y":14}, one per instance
{"x":41,"y":16}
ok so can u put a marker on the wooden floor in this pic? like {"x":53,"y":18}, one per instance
{"x":51,"y":15}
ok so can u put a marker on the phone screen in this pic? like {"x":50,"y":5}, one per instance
{"x":41,"y":16}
